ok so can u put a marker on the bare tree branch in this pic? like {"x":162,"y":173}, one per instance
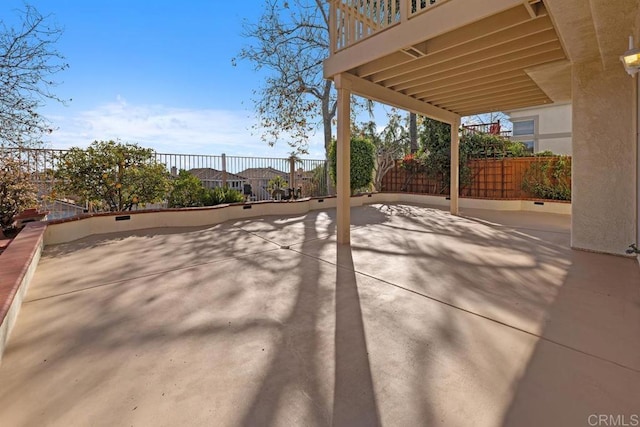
{"x":291,"y":40}
{"x":28,"y":60}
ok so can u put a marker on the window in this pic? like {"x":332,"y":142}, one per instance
{"x":524,"y":127}
{"x":530,"y":145}
{"x":524,"y":130}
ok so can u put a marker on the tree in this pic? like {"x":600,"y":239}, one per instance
{"x":291,"y":40}
{"x":435,"y":156}
{"x":276,"y":186}
{"x":28,"y":60}
{"x":435,"y":140}
{"x":17,"y":192}
{"x":187,"y":191}
{"x":362,"y":163}
{"x":390,"y":145}
{"x":413,"y":132}
{"x":113,"y":176}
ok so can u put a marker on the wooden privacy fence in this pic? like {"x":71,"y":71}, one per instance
{"x":488,"y":178}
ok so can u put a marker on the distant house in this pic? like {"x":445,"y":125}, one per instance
{"x":543,"y":128}
{"x":259,"y":179}
{"x":212,"y":178}
{"x":59,"y":209}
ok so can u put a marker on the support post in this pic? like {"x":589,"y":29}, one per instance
{"x":404,"y":10}
{"x":224,"y":170}
{"x":455,"y":166}
{"x":333,"y":39}
{"x":343,"y":161}
{"x":292,"y":174}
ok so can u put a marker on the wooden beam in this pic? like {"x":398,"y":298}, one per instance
{"x":491,"y":24}
{"x":482,"y":109}
{"x":488,"y":74}
{"x":382,"y":94}
{"x":520,"y":96}
{"x":529,"y":8}
{"x":483,"y":59}
{"x":455,"y":89}
{"x":528,"y":29}
{"x":489,"y":102}
{"x":495,"y":96}
{"x":491,"y":66}
{"x":490,"y":89}
{"x":392,"y":60}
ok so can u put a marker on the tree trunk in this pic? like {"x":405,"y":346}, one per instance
{"x":328,"y":112}
{"x":413,"y":132}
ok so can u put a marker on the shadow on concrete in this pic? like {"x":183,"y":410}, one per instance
{"x":402,"y":276}
{"x":354,"y":400}
{"x":587,"y":361}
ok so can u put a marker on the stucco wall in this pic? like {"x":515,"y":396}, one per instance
{"x":604,"y":158}
{"x":66,"y":231}
{"x":557,"y":145}
{"x":553,"y":127}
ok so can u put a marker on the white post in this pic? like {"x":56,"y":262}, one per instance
{"x":405,"y":8}
{"x":224,"y":170}
{"x":343,"y":160}
{"x":333,"y":30}
{"x":455,"y":166}
{"x":292,"y":174}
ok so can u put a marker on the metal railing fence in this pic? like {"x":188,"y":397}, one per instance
{"x":250,"y":175}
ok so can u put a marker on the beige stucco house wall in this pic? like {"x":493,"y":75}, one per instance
{"x":551,"y":127}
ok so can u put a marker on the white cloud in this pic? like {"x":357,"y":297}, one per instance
{"x":170,"y":130}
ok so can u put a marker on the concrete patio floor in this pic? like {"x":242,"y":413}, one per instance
{"x":427,"y":319}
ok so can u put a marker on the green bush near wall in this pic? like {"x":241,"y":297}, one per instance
{"x":188,"y":191}
{"x":362,"y":163}
{"x":549,"y":178}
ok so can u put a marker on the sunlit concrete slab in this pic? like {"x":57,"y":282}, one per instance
{"x":427,"y":319}
{"x":101,"y":259}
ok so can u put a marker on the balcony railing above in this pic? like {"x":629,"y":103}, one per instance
{"x":419,"y":6}
{"x":355,"y":20}
{"x":493,"y":128}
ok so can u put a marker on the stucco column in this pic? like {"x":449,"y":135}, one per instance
{"x":637,"y":89}
{"x":343,"y":160}
{"x":604,"y":169}
{"x":455,"y":167}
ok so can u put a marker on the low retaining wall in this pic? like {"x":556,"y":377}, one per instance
{"x":17,"y":265}
{"x":76,"y":228}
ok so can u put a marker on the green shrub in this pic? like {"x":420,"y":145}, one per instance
{"x":17,"y":192}
{"x":549,"y":178}
{"x":362,"y":163}
{"x":221,"y":195}
{"x":187,"y":191}
{"x":546,"y":153}
{"x":113,"y":176}
{"x":482,"y":145}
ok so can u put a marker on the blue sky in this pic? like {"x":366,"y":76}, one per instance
{"x":155,"y":73}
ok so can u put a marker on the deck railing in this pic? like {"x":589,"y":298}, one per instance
{"x":355,"y":20}
{"x":308,"y":175}
{"x":493,"y":128}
